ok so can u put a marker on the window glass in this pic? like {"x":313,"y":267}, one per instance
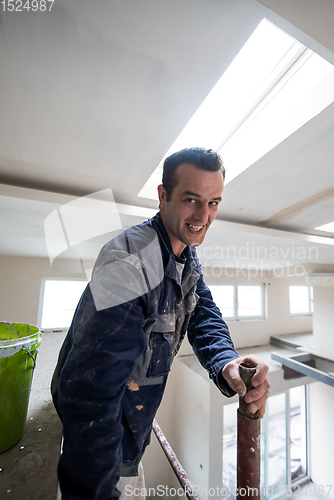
{"x":276,"y":442}
{"x":59,"y":302}
{"x":223,"y":295}
{"x":249,"y":301}
{"x":297,"y":433}
{"x":299,"y":299}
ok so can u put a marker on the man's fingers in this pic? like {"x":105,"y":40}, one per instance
{"x":258,"y":404}
{"x":261,"y":411}
{"x":238,"y":386}
{"x":261,"y":370}
{"x":258,"y":392}
{"x":232,"y":377}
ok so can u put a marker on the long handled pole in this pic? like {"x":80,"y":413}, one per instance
{"x":248,"y":443}
{"x":177,"y":467}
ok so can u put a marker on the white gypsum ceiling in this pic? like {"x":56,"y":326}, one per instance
{"x":93,"y":94}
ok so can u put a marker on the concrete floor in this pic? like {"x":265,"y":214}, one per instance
{"x":29,"y":468}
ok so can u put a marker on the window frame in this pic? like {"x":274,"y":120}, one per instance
{"x":236,"y":316}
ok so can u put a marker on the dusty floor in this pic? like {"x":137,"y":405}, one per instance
{"x":28,"y":469}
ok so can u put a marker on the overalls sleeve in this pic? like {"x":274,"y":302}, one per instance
{"x":105,"y":345}
{"x":210,"y":338}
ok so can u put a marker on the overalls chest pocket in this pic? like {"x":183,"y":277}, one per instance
{"x":162,"y":345}
{"x":190,"y":302}
{"x":183,"y":319}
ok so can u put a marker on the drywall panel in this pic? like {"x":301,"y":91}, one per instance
{"x":191,"y":412}
{"x":158,"y":471}
{"x":321,"y":396}
{"x":323,"y":319}
{"x":321,"y":411}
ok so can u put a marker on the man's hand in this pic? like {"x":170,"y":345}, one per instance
{"x":256,"y":397}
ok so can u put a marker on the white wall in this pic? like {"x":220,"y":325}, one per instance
{"x":198,"y":436}
{"x":321,"y":413}
{"x":156,"y":466}
{"x":321,"y":396}
{"x":323,"y":318}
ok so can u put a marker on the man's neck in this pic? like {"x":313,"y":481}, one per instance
{"x":177,"y":245}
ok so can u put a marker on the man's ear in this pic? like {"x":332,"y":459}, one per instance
{"x":162,"y":194}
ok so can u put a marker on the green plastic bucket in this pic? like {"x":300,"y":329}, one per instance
{"x":18,"y":350}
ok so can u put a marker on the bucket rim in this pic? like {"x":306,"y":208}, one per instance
{"x":8,"y":347}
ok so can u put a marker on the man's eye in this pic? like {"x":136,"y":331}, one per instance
{"x":190,"y":200}
{"x":213,"y":203}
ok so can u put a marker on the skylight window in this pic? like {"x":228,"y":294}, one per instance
{"x":273,"y":87}
{"x":327,"y":227}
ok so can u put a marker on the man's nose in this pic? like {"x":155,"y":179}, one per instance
{"x":202,"y":213}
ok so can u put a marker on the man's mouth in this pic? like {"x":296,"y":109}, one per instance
{"x":195,"y":228}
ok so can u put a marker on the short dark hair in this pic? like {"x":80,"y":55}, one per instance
{"x":205,"y":159}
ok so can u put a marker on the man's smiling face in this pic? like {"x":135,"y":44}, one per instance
{"x":192,"y":206}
